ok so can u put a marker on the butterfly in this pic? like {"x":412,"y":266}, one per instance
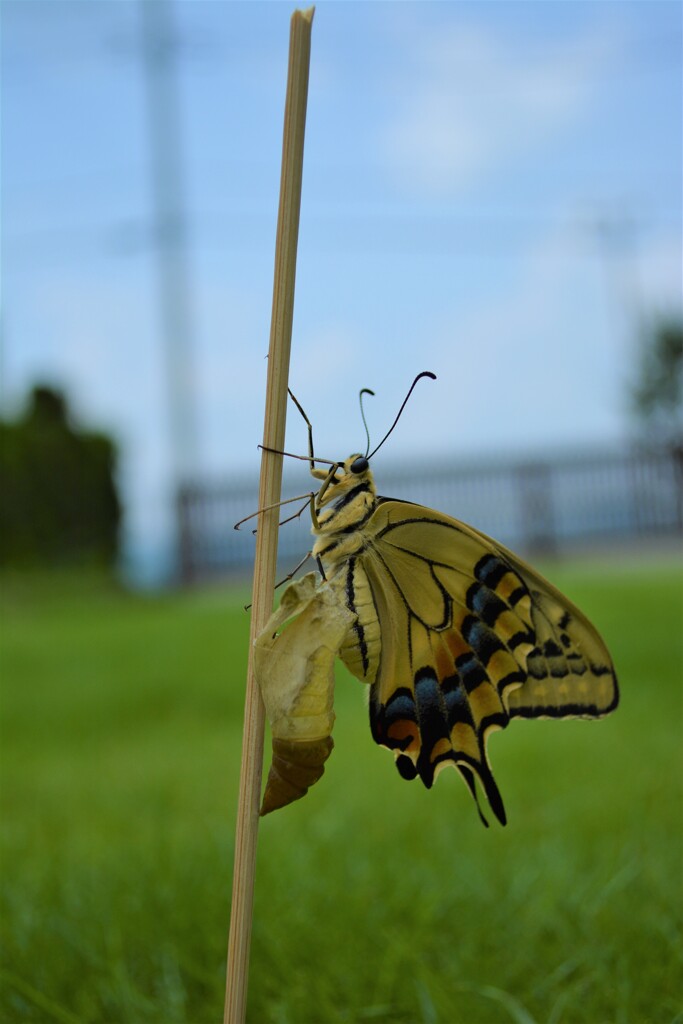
{"x":454,"y":634}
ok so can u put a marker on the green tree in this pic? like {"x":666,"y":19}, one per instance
{"x":57,"y":484}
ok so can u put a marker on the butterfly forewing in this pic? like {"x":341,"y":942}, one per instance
{"x":570,"y":671}
{"x":470,"y":636}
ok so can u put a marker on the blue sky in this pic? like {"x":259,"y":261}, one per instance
{"x":460,"y":161}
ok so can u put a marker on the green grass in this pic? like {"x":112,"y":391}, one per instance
{"x":376,"y":900}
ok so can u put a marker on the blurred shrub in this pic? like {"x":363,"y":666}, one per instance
{"x":657,"y":392}
{"x":59,"y":503}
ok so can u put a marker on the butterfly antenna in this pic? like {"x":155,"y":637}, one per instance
{"x":365,"y":391}
{"x":425,"y":373}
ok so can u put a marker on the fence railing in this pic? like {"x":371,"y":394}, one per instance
{"x":535,"y":506}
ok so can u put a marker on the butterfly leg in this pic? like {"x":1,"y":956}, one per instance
{"x":296,"y":568}
{"x":316,"y":499}
{"x":296,"y":514}
{"x":326,"y":483}
{"x":286,"y":578}
{"x":276,"y":504}
{"x":311,"y":454}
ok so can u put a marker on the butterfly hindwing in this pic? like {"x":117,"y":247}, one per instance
{"x":469,"y":636}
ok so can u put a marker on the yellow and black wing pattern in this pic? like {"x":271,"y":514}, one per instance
{"x":470,"y":637}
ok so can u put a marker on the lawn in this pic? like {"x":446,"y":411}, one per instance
{"x":376,"y":900}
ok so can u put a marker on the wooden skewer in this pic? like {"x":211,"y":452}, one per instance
{"x":246,"y":831}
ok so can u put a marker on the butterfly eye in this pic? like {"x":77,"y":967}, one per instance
{"x":359,"y":465}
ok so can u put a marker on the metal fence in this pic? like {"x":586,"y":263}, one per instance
{"x":535,"y":506}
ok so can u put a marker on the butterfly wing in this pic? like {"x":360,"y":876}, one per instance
{"x":471,"y":636}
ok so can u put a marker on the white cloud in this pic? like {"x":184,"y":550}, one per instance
{"x":475,"y":100}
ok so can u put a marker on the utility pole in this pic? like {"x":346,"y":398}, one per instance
{"x":170,"y":239}
{"x":616,"y":232}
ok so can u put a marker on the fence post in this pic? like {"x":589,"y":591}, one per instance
{"x":677,"y":465}
{"x":186,"y":539}
{"x":534,"y":481}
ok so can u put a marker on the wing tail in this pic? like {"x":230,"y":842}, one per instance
{"x":436,"y":724}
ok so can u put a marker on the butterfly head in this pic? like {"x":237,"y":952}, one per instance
{"x":353,"y":474}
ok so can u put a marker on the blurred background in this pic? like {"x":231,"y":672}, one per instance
{"x":491,"y":192}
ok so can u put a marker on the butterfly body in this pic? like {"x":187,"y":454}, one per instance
{"x":454,"y":634}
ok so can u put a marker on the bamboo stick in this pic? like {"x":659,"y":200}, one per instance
{"x":246,"y":830}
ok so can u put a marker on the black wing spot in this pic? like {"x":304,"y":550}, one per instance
{"x":517,"y":594}
{"x":484,"y":603}
{"x":401,"y":705}
{"x":470,"y":670}
{"x":523,"y":636}
{"x":457,"y":704}
{"x":490,"y":570}
{"x":481,"y":639}
{"x":399,"y":708}
{"x":558,"y":670}
{"x":432,"y":718}
{"x":516,"y":676}
{"x":552,"y":650}
{"x":406,"y":768}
